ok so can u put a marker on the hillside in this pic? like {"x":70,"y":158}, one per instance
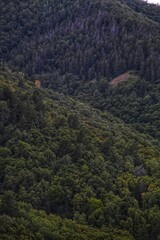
{"x":78,"y":47}
{"x":134,"y":100}
{"x":151,"y":11}
{"x":79,"y":120}
{"x":78,"y":40}
{"x":65,"y":158}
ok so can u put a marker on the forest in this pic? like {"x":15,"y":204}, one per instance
{"x":66,"y":158}
{"x":79,"y":155}
{"x":85,"y":39}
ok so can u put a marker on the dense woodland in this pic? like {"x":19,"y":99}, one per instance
{"x":84,"y":38}
{"x":65,"y":158}
{"x":151,"y":11}
{"x":77,"y":47}
{"x":136,"y":101}
{"x":79,"y":157}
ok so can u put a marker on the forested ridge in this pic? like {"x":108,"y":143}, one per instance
{"x":87,"y":39}
{"x":136,"y":102}
{"x":77,"y":47}
{"x":66,"y":158}
{"x":151,"y":11}
{"x":79,"y":156}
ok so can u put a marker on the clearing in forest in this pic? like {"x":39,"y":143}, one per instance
{"x":121,"y":78}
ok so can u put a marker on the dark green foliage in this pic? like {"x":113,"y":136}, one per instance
{"x":69,"y":171}
{"x":151,"y":11}
{"x":68,"y":159}
{"x":136,"y":102}
{"x":30,"y":224}
{"x":81,"y":40}
{"x":77,"y":47}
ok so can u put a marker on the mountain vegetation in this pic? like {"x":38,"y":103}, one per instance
{"x":79,"y":120}
{"x":135,"y":101}
{"x":149,"y":10}
{"x":65,"y":158}
{"x":78,"y":47}
{"x":85,"y":39}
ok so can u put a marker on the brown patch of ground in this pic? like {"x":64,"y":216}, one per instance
{"x":37,"y":83}
{"x":121,"y":78}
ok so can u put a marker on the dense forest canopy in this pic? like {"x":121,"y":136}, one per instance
{"x":87,"y":39}
{"x":66,"y":158}
{"x":151,"y":11}
{"x":79,"y":120}
{"x":78,"y":47}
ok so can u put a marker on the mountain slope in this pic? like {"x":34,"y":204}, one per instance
{"x":151,"y":11}
{"x":128,"y":97}
{"x":74,"y":161}
{"x":68,"y":170}
{"x":78,"y":47}
{"x":81,"y":40}
{"x":27,"y":223}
